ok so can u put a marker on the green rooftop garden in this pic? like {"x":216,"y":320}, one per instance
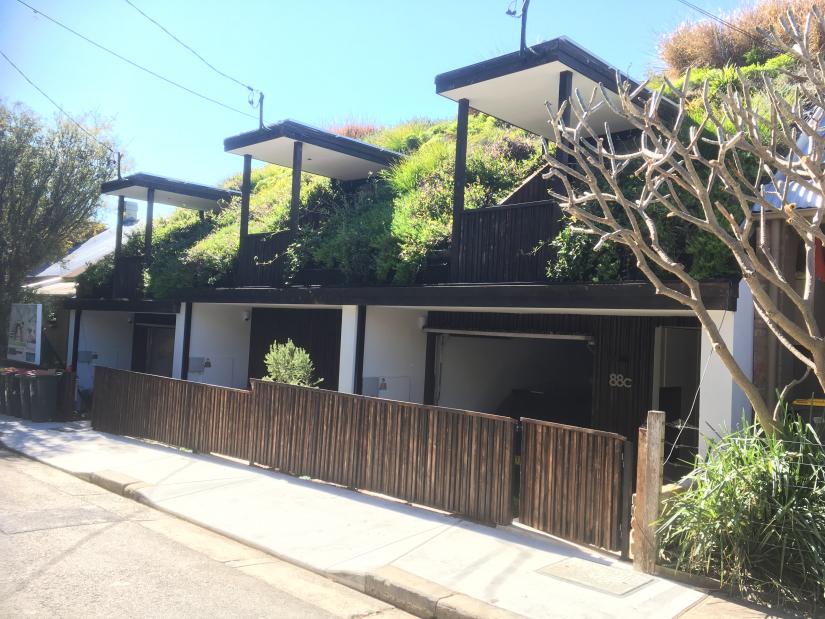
{"x":384,"y":230}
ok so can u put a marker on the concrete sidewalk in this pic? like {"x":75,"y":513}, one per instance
{"x":420,"y":558}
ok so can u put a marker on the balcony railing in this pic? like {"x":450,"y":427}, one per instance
{"x":127,"y":280}
{"x":263,"y":263}
{"x":506,"y":243}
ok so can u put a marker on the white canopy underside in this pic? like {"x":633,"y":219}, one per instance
{"x":521,"y":98}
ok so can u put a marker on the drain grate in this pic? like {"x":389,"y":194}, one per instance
{"x":602,"y":578}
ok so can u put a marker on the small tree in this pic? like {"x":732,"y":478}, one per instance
{"x":290,"y":364}
{"x":49,"y":191}
{"x":711,"y":176}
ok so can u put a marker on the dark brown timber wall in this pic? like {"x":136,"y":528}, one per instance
{"x":572,"y":483}
{"x":622,"y":363}
{"x":453,"y":460}
{"x":318,"y":331}
{"x":506,"y":243}
{"x":262,"y":262}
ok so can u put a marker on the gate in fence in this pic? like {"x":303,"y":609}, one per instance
{"x":574,"y":482}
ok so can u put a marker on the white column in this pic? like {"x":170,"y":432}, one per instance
{"x":177,"y":355}
{"x":722,"y":404}
{"x":70,"y":339}
{"x":349,"y":336}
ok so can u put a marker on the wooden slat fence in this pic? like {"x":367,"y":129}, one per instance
{"x":457,"y":461}
{"x":572,"y":483}
{"x":499,"y":243}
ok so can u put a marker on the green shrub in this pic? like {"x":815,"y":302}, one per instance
{"x":754,"y":516}
{"x":290,"y":364}
{"x":709,"y":43}
{"x":97,"y":279}
{"x":577,"y":261}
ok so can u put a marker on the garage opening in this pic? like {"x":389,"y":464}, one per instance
{"x":547,"y":378}
{"x":153,"y":344}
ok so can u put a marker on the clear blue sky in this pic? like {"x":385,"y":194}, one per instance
{"x":321,"y":62}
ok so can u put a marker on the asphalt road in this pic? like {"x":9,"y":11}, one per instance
{"x":71,"y":549}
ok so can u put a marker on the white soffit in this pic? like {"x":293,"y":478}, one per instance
{"x":315,"y":159}
{"x":136,"y":192}
{"x":519,"y":98}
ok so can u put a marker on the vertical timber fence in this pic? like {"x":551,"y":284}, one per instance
{"x":457,"y":461}
{"x":576,"y":483}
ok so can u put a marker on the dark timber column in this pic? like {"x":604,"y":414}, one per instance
{"x":187,"y":338}
{"x":76,"y":338}
{"x":121,"y":205}
{"x":147,"y":237}
{"x":246,"y":189}
{"x":565,"y":91}
{"x":460,"y":180}
{"x":429,"y":372}
{"x":297,"y":156}
{"x":360,"y":335}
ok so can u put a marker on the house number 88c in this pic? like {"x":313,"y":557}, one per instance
{"x":619,"y":380}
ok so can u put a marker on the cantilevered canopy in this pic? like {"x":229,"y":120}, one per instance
{"x":515,"y":87}
{"x":168,"y":191}
{"x":323,"y":153}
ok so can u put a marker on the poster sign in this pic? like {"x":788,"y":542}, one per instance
{"x":25,"y":331}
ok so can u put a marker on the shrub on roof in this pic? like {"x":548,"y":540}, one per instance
{"x":709,"y":43}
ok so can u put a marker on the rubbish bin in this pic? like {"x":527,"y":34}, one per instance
{"x":13,"y":395}
{"x":24,"y":380}
{"x":43,"y":390}
{"x":3,"y":408}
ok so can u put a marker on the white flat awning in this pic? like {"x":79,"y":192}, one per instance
{"x":515,"y":87}
{"x":323,"y":153}
{"x":168,"y":191}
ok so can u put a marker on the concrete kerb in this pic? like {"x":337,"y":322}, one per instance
{"x":121,"y":484}
{"x":424,"y":598}
{"x":411,"y":593}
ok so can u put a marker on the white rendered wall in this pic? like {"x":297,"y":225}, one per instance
{"x":107,"y":337}
{"x":722,"y":404}
{"x":220,"y":335}
{"x":395,"y":347}
{"x":177,"y":355}
{"x":349,"y":336}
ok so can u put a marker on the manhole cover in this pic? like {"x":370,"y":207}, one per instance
{"x":596,"y":576}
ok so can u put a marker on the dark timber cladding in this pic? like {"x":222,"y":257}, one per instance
{"x":318,"y":331}
{"x":505,"y":243}
{"x":623,"y":345}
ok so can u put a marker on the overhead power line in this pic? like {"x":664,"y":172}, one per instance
{"x":135,"y":64}
{"x":57,"y":105}
{"x":187,"y":47}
